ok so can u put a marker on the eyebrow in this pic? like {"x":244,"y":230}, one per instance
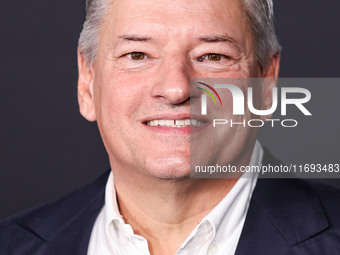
{"x":134,"y":38}
{"x":220,"y":38}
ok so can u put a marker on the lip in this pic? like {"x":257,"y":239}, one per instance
{"x":173,"y":130}
{"x":181,"y":116}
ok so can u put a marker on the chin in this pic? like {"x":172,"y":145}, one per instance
{"x":170,"y":171}
{"x":174,"y":177}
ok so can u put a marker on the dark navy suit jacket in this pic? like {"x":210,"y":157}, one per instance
{"x":285,"y":217}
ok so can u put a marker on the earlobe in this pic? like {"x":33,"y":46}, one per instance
{"x":269,"y":97}
{"x":269,"y":83}
{"x":85,"y":89}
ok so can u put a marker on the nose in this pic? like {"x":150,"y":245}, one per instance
{"x":173,"y":81}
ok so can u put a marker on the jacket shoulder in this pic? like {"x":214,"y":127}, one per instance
{"x":48,"y":220}
{"x":330,"y":199}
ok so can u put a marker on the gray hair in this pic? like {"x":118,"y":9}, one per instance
{"x":89,"y":36}
{"x":260,"y":15}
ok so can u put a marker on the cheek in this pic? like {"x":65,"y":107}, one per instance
{"x":119,"y":99}
{"x":121,"y":94}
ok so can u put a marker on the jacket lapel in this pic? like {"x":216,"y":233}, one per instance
{"x":283,"y":213}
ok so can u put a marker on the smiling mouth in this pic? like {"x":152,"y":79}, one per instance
{"x":176,"y":123}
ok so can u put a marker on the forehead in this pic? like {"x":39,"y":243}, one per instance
{"x":179,"y":19}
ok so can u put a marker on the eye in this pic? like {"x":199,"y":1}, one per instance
{"x":213,"y":57}
{"x":137,"y":56}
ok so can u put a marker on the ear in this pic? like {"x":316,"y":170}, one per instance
{"x":272,"y":71}
{"x":85,"y":89}
{"x":270,"y":76}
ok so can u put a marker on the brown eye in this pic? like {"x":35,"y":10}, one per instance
{"x":214,"y":57}
{"x":137,"y":55}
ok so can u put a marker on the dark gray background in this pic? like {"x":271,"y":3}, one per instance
{"x":47,"y":149}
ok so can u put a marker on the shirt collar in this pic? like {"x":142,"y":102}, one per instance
{"x":240,"y":194}
{"x":230,"y":213}
{"x":111,"y":212}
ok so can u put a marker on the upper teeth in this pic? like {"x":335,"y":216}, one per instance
{"x":175,"y":123}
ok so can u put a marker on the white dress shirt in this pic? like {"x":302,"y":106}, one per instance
{"x":218,"y":233}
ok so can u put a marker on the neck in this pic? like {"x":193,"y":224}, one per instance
{"x":166,"y":211}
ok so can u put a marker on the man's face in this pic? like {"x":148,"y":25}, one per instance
{"x":148,"y":51}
